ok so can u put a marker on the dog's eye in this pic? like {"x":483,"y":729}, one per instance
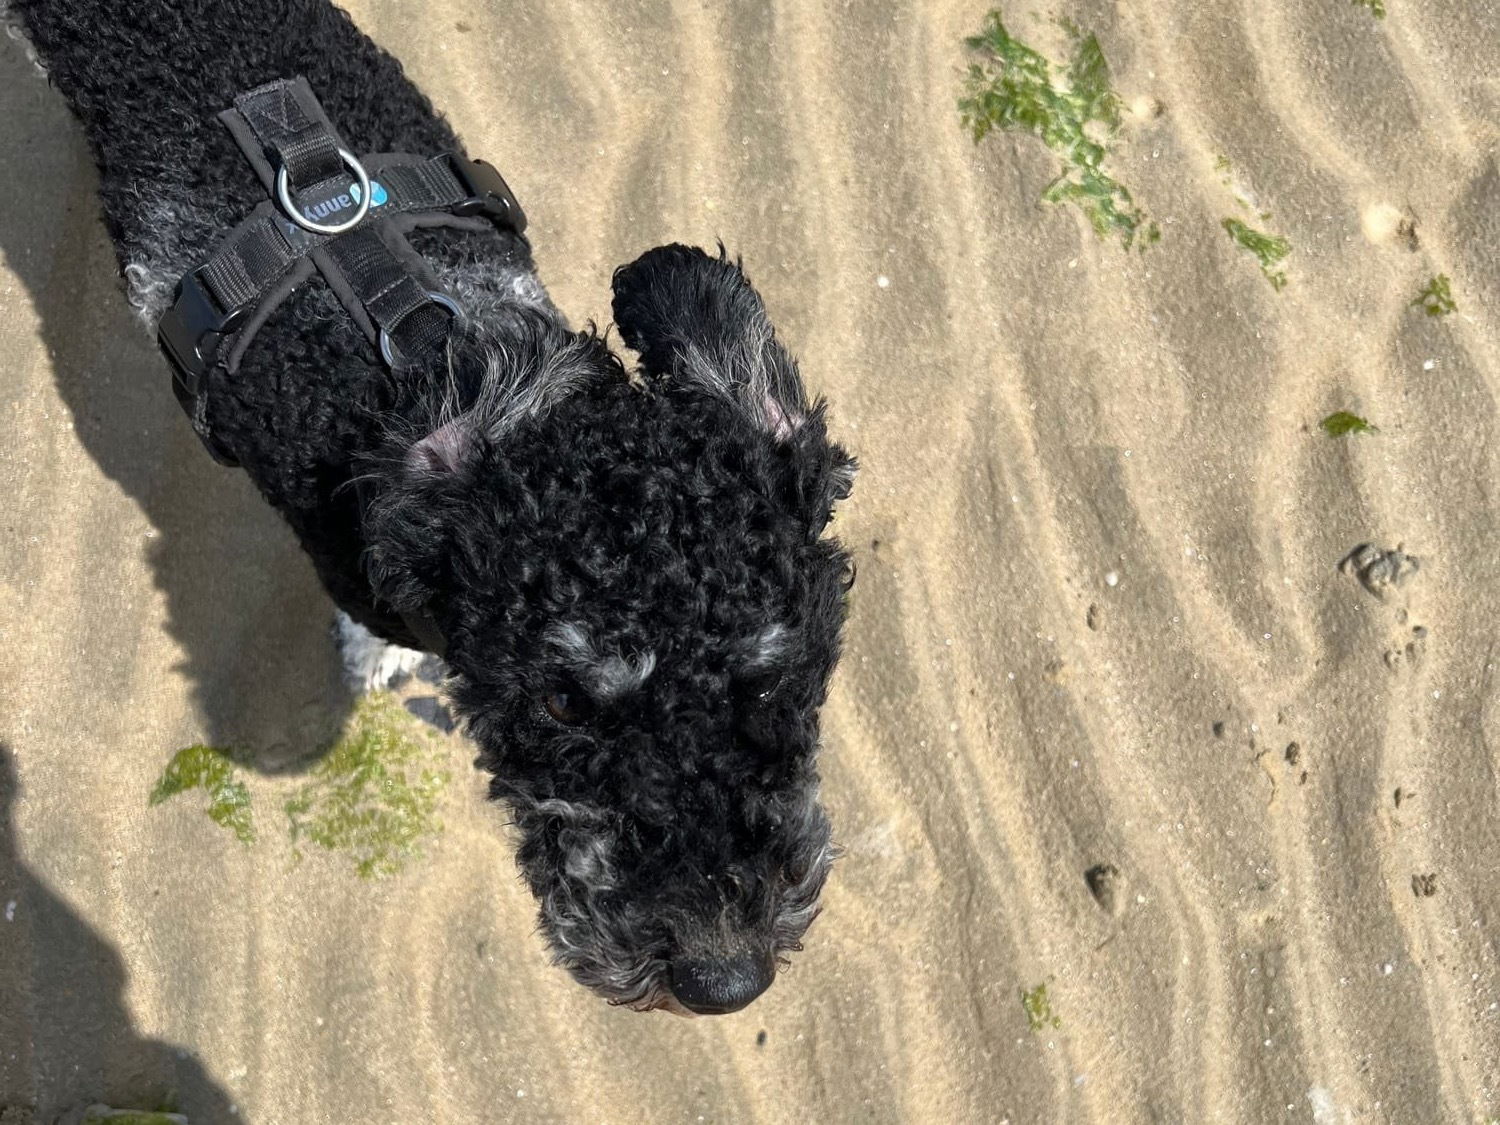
{"x":571,"y":708}
{"x":756,"y":687}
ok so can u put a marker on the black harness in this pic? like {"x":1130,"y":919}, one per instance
{"x":341,"y":216}
{"x":330,"y":212}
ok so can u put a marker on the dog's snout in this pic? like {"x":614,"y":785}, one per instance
{"x":713,"y":986}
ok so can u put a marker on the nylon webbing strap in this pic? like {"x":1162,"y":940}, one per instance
{"x":430,"y":185}
{"x":389,"y":293}
{"x":242,"y":268}
{"x":291,"y":126}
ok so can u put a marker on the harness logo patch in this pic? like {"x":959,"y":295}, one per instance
{"x":342,"y":202}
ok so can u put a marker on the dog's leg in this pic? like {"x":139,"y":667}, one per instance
{"x":371,"y":664}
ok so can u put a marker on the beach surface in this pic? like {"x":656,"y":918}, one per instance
{"x":1150,"y":811}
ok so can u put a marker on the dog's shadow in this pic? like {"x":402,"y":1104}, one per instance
{"x":66,"y":1039}
{"x":242,"y":604}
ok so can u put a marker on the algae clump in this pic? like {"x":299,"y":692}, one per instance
{"x":1436,"y":298}
{"x":1269,"y":249}
{"x":210,"y":769}
{"x":1013,"y":90}
{"x":1341,"y":422}
{"x":1377,"y":7}
{"x":1038,"y":1008}
{"x":374,"y":792}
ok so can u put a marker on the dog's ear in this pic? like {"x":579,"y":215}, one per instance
{"x":425,"y":493}
{"x":824,"y":471}
{"x":696,"y":318}
{"x":498,"y":384}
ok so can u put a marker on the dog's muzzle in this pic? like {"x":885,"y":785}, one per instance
{"x":713,"y":986}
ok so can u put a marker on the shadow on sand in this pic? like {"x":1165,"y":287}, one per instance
{"x":65,"y":1037}
{"x":243,"y":604}
{"x":243,"y":608}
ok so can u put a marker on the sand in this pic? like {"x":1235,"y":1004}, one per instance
{"x":1099,"y":617}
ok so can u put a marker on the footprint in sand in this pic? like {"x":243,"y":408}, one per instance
{"x":1409,"y":654}
{"x":1107,"y":886}
{"x":1380,"y":570}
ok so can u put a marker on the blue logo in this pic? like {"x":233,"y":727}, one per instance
{"x":377,"y":193}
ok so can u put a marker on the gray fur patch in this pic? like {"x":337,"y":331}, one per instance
{"x":180,"y":232}
{"x":799,"y":903}
{"x":843,"y":474}
{"x":594,"y":946}
{"x":768,"y":646}
{"x":587,"y":859}
{"x":149,"y":290}
{"x":573,"y":812}
{"x":487,"y":291}
{"x":13,"y":30}
{"x":599,"y":957}
{"x":756,"y":374}
{"x":608,"y":675}
{"x":512,"y":391}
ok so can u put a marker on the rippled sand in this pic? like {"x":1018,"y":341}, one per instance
{"x":1099,"y":618}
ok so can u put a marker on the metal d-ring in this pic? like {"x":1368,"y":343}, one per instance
{"x":284,"y":197}
{"x":388,"y":351}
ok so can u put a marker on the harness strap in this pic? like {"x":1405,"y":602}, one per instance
{"x":254,"y":256}
{"x":284,"y":120}
{"x":429,"y":184}
{"x":404,"y":311}
{"x":383,"y":284}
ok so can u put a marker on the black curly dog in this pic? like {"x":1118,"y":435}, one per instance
{"x":640,"y":611}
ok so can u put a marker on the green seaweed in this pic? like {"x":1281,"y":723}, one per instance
{"x":1013,"y":90}
{"x":1437,"y":298}
{"x":100,"y":1116}
{"x":1377,"y":7}
{"x":1342,"y":422}
{"x":1038,"y":1008}
{"x":210,"y":769}
{"x":1269,"y":249}
{"x":374,"y":792}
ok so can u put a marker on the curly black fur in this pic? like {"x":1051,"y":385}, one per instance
{"x":640,"y":609}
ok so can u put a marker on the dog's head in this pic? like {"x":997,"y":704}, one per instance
{"x":642,"y":615}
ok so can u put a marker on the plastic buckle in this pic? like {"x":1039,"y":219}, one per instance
{"x":190,"y":334}
{"x":192,"y":329}
{"x":488,"y":192}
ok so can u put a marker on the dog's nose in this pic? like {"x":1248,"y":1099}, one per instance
{"x":712,"y":986}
